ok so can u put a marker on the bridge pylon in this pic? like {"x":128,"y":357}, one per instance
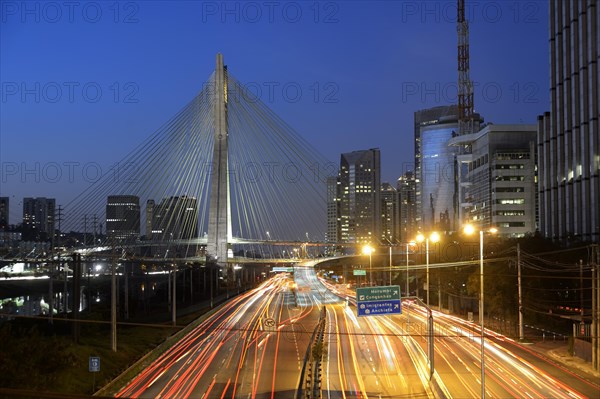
{"x":219,"y":218}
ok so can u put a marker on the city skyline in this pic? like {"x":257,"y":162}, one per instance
{"x":406,"y":196}
{"x":410,"y":47}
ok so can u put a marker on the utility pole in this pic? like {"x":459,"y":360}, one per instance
{"x":174,"y":300}
{"x":390,"y":263}
{"x":84,"y":230}
{"x":521,"y":332}
{"x":597,"y":264}
{"x":581,"y":288}
{"x":51,"y":287}
{"x":595,"y":305}
{"x":594,"y":318}
{"x":51,"y":293}
{"x":66,"y":273}
{"x":126,"y":305}
{"x":439,"y":284}
{"x":94,"y":224}
{"x":191,"y":284}
{"x":76,"y":296}
{"x":212,"y":283}
{"x":113,"y":300}
{"x":59,"y":219}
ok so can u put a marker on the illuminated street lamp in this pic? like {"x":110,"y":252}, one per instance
{"x":433,"y":237}
{"x":368,"y":250}
{"x":469,"y":229}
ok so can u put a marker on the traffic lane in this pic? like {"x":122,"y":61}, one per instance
{"x":461,"y":351}
{"x":507,"y":374}
{"x":221,"y":367}
{"x":366,"y":360}
{"x":401,"y":366}
{"x":531,"y":368}
{"x":346,"y":370}
{"x":582,"y":382}
{"x":218,"y":335}
{"x":198,"y":338}
{"x":281,"y":359}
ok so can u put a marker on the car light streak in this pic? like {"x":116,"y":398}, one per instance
{"x":234,"y":353}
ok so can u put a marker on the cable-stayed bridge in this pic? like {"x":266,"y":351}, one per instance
{"x":223,"y":173}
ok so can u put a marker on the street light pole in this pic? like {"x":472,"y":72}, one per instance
{"x":407,"y":293}
{"x":427,"y":266}
{"x":370,"y":269}
{"x":469,"y":229}
{"x":367,"y":249}
{"x":390,"y":264}
{"x":434,"y":237}
{"x":481,"y":313}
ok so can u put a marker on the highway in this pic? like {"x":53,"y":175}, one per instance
{"x":361,"y":362}
{"x":254,"y":346}
{"x":512,"y":370}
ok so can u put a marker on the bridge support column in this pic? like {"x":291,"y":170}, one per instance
{"x":219,"y":221}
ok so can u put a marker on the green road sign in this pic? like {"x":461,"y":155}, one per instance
{"x":376,"y":301}
{"x":278,"y":269}
{"x":385,"y":293}
{"x":359,"y":272}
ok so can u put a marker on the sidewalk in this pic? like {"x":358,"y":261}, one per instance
{"x":559,"y":352}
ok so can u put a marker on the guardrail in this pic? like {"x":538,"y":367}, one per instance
{"x":309,"y":385}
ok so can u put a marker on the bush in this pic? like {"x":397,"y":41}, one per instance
{"x":31,"y":360}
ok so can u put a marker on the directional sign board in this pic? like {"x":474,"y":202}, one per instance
{"x":357,"y":272}
{"x":278,"y":269}
{"x":379,"y":308}
{"x":94,"y":364}
{"x":368,"y":294}
{"x":374,"y":301}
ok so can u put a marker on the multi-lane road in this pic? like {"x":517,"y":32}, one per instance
{"x":251,"y":347}
{"x":254,"y":346}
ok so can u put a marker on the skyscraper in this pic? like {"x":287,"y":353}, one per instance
{"x":333,"y":217}
{"x":175,"y":218}
{"x":407,"y":192}
{"x":501,"y":189}
{"x":435,"y":166}
{"x":123,"y":217}
{"x":568,"y":136}
{"x":439,"y":167}
{"x":38,"y":218}
{"x":149,"y":217}
{"x":360,"y":205}
{"x":390,"y":215}
{"x":4,"y":213}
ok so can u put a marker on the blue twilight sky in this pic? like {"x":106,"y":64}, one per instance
{"x":82,"y":83}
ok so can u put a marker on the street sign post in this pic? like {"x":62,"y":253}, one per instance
{"x":375,"y":301}
{"x":358,"y":272}
{"x":94,"y":367}
{"x":94,"y":364}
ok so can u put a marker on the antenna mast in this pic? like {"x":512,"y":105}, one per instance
{"x":466,"y":123}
